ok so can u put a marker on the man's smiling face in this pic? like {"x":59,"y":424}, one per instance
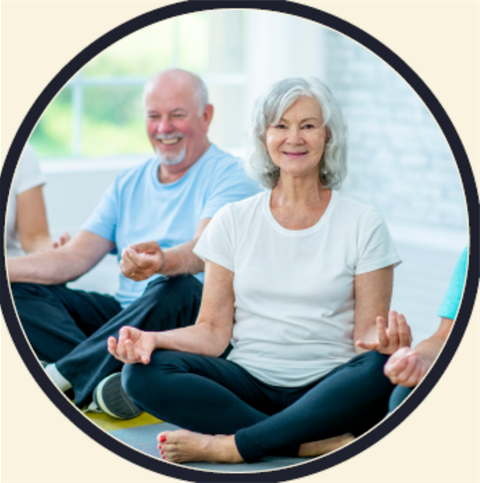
{"x":176,"y":126}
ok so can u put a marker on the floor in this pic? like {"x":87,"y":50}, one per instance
{"x":143,"y":439}
{"x":140,"y":433}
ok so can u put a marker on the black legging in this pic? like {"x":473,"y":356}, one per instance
{"x":217,"y":396}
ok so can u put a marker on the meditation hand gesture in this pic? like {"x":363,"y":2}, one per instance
{"x":398,"y":334}
{"x":405,"y":367}
{"x":134,"y":346}
{"x":142,"y":260}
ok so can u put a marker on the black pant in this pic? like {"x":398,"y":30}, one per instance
{"x":71,"y":327}
{"x":216,"y":396}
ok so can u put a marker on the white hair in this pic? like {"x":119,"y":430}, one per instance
{"x":269,"y":109}
{"x":199,"y":86}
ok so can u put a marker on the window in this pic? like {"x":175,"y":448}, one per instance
{"x":99,"y":113}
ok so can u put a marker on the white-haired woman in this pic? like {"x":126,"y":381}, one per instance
{"x":292,"y":276}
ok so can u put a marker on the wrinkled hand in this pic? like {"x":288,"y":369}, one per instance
{"x":142,"y":260}
{"x":134,"y":346}
{"x":405,"y":367}
{"x":65,"y":237}
{"x":397,"y":335}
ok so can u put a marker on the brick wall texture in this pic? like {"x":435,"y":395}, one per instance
{"x":399,"y":160}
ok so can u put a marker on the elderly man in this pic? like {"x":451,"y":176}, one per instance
{"x":151,"y":217}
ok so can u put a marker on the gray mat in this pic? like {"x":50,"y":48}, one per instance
{"x":143,"y":438}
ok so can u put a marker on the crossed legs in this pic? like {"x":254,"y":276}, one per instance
{"x":209,"y":396}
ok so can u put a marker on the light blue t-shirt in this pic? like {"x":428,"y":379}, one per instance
{"x":451,"y":301}
{"x":138,"y":208}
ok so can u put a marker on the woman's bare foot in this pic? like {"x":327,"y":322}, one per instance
{"x":324,"y":446}
{"x":182,"y":445}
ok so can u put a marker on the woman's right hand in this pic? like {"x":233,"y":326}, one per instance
{"x":134,"y":346}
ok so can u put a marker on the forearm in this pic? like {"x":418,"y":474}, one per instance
{"x":37,"y":243}
{"x":47,"y":268}
{"x":428,"y":350}
{"x":61,"y":265}
{"x":209,"y":336}
{"x":200,"y":339}
{"x":181,"y":259}
{"x":373,"y":293}
{"x":31,"y":221}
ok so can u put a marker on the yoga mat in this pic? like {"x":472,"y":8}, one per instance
{"x":143,"y":438}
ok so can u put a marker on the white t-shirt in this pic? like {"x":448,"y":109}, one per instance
{"x":294,"y":289}
{"x":27,"y":176}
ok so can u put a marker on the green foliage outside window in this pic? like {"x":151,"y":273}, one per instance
{"x":110,"y":120}
{"x":113,"y":122}
{"x":53,"y":133}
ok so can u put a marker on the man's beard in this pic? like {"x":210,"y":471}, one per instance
{"x":170,"y":159}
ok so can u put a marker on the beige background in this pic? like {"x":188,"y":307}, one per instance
{"x":440,"y":441}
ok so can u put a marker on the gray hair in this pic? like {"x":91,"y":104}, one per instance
{"x":199,"y":86}
{"x":269,"y":109}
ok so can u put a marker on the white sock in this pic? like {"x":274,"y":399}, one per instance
{"x":57,"y":378}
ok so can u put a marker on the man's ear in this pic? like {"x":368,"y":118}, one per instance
{"x":208,"y":114}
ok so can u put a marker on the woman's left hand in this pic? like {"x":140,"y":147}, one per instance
{"x":397,"y":335}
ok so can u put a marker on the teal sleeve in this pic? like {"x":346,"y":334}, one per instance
{"x":451,"y":301}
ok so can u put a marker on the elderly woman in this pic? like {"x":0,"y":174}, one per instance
{"x":292,"y":276}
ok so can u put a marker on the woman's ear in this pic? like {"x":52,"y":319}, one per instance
{"x":329,"y":135}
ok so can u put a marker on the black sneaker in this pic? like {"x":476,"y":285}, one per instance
{"x":110,"y":397}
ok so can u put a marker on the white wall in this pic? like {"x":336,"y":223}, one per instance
{"x":279,"y":46}
{"x":71,"y":196}
{"x":399,"y":159}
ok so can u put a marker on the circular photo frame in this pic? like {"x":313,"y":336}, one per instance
{"x":471,"y":196}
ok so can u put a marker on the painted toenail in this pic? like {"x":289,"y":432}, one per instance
{"x":159,"y":446}
{"x":163,"y":439}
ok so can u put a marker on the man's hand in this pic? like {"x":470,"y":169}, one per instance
{"x":405,"y":367}
{"x":397,"y":335}
{"x":134,"y":346}
{"x":142,"y":260}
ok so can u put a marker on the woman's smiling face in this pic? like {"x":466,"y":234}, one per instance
{"x":297,"y":141}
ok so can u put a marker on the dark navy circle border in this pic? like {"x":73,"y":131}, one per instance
{"x":471,"y":195}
